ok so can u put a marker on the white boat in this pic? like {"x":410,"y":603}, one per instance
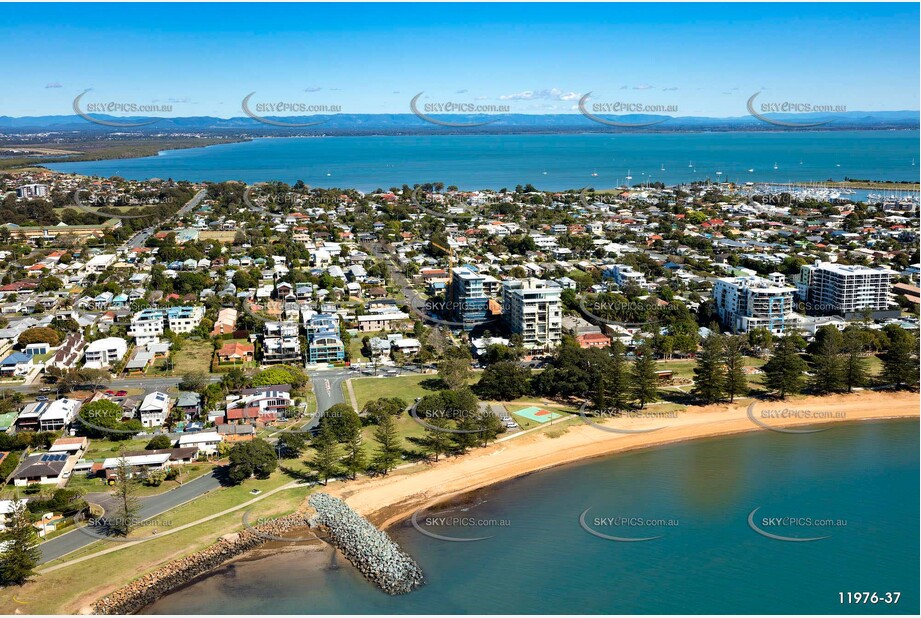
{"x":775,"y":165}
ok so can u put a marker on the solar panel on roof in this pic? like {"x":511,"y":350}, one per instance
{"x":48,"y":457}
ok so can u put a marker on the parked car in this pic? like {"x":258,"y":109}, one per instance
{"x":121,"y":394}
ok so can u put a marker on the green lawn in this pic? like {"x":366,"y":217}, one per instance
{"x":406,"y":387}
{"x":195,"y":355}
{"x":71,"y":586}
{"x":101,"y":449}
{"x":355,"y":351}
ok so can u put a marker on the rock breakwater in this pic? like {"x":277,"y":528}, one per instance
{"x":372,"y":552}
{"x":174,"y":574}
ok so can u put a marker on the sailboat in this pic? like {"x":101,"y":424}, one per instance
{"x":690,"y":164}
{"x":663,"y":167}
{"x":594,"y":173}
{"x":775,"y":165}
{"x":629,"y":177}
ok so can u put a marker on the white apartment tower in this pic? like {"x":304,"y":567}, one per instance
{"x":532,"y":309}
{"x":745,"y":303}
{"x":845,"y":289}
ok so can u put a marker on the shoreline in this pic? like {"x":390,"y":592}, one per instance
{"x":391,"y":500}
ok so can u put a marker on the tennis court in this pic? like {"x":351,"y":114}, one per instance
{"x":538,"y":415}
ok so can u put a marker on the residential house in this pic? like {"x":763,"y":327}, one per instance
{"x":104,"y":352}
{"x":154,"y":409}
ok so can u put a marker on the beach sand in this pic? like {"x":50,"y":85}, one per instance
{"x":389,"y":500}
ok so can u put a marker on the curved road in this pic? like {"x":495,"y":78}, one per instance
{"x":149,"y":507}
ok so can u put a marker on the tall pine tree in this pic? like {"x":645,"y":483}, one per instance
{"x":388,"y":444}
{"x":827,"y":362}
{"x":645,"y":382}
{"x":900,"y":360}
{"x":855,"y":365}
{"x":326,"y":457}
{"x":733,"y":357}
{"x":710,"y":371}
{"x":618,"y":382}
{"x":784,"y":373}
{"x":20,"y":553}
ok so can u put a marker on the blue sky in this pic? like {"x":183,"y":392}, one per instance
{"x":535,"y":58}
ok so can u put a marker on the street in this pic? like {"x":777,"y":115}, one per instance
{"x":149,"y":507}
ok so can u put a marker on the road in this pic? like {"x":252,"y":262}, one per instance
{"x":150,"y":506}
{"x":327,"y":386}
{"x":148,"y":384}
{"x":141,"y":237}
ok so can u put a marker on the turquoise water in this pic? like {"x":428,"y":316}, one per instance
{"x":543,"y":561}
{"x":551,"y":162}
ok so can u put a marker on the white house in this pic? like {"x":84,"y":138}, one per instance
{"x":154,"y":409}
{"x":104,"y":352}
{"x":100,"y":262}
{"x":205,"y":441}
{"x":58,"y":414}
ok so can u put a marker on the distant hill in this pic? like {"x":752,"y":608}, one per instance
{"x":345,"y":124}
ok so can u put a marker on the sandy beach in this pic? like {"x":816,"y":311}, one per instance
{"x":386,"y":501}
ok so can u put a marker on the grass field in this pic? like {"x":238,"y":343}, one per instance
{"x":195,"y":355}
{"x":406,"y":387}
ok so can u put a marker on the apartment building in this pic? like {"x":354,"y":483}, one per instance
{"x":532,"y":309}
{"x":467,"y":297}
{"x":281,"y":343}
{"x":745,"y":303}
{"x":104,"y":352}
{"x":624,"y":275}
{"x":844,"y":289}
{"x":149,"y":324}
{"x":323,"y":342}
{"x":374,"y":322}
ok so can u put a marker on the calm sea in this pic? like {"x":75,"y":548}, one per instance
{"x":860,"y":479}
{"x":550,"y":162}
